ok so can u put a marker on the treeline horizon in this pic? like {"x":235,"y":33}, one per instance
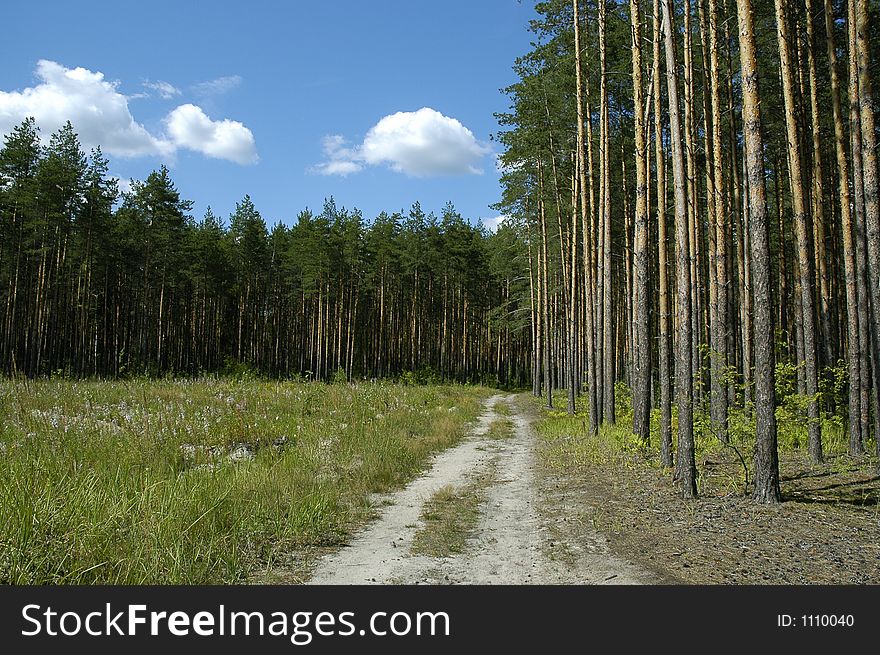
{"x":98,"y":283}
{"x":696,"y":181}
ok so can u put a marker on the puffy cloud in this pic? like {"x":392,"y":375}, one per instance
{"x":101,"y":116}
{"x":420,"y":144}
{"x":164,"y":89}
{"x":189,"y":127}
{"x":218,"y":86}
{"x":98,"y":112}
{"x":492,"y":224}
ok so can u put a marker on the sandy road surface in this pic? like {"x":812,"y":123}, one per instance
{"x":513,"y":542}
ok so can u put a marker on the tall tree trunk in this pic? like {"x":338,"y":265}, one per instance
{"x":719,"y":357}
{"x":747,"y":295}
{"x":662,"y":255}
{"x":536,"y":320}
{"x":641,"y":308}
{"x":687,"y":469}
{"x":782,"y":319}
{"x":859,"y":232}
{"x":872,"y":210}
{"x":698,"y":324}
{"x":818,"y":199}
{"x":572,"y":300}
{"x":766,"y":453}
{"x":545,"y":301}
{"x":802,"y":233}
{"x":586,"y":219}
{"x":605,"y":222}
{"x":737,"y":294}
{"x":849,"y":250}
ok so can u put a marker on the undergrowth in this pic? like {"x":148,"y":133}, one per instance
{"x":725,"y":466}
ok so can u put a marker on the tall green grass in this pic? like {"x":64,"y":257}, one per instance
{"x":131,"y":483}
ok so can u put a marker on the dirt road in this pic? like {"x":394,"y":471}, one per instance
{"x":514,"y":541}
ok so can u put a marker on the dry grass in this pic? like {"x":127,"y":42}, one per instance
{"x":502,"y":428}
{"x":450,"y":517}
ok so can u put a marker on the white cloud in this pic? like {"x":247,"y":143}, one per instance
{"x":189,"y":127}
{"x":492,"y":224}
{"x":164,"y":89}
{"x":342,"y":168}
{"x":341,"y":160}
{"x":336,"y":147}
{"x":420,"y":144}
{"x":217,"y":87}
{"x":100,"y":114}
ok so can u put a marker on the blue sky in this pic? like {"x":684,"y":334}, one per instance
{"x":376,"y":103}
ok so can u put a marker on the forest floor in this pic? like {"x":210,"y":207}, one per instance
{"x":827,"y":530}
{"x":485,"y":513}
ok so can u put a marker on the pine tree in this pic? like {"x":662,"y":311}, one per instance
{"x":686,"y":469}
{"x":766,"y":453}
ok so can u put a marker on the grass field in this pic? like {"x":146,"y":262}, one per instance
{"x":201,"y":481}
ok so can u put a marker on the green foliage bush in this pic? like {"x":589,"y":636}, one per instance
{"x":238,"y":370}
{"x":339,"y":377}
{"x":424,"y":375}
